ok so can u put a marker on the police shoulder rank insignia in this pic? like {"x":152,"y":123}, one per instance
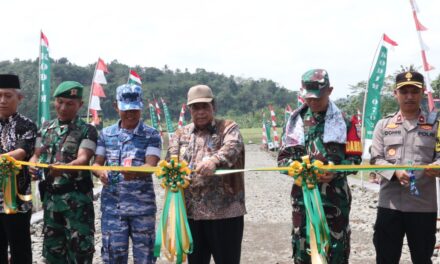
{"x":437,"y":144}
{"x":392,"y":126}
{"x":426,"y":127}
{"x":392,"y":152}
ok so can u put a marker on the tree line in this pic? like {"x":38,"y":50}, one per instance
{"x":236,"y":97}
{"x":242,"y":99}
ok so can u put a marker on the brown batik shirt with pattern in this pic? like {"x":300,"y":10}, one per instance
{"x":215,"y":196}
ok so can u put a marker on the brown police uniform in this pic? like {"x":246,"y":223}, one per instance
{"x":398,"y":141}
{"x":402,"y":142}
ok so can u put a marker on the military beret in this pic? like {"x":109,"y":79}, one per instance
{"x":409,"y":78}
{"x":314,"y":82}
{"x":69,"y":89}
{"x":9,"y":81}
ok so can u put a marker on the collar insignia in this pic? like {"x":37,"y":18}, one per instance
{"x":392,"y":126}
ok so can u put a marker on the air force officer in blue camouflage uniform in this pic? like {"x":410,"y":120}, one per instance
{"x":128,"y":201}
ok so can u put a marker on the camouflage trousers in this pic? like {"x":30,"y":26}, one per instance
{"x":69,"y":235}
{"x":116,"y":231}
{"x":337,"y":209}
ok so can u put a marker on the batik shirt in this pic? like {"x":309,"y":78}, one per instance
{"x":122,"y":147}
{"x":18,"y":132}
{"x":214,"y":196}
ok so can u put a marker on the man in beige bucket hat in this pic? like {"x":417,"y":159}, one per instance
{"x":215,"y":203}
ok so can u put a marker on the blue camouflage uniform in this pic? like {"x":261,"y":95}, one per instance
{"x":128,"y":207}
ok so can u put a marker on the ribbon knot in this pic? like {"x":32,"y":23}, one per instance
{"x":306,"y":172}
{"x":174,"y":175}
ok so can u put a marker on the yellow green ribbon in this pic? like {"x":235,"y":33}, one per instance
{"x":330,"y":167}
{"x":174,"y":235}
{"x":9,"y":169}
{"x":306,"y":175}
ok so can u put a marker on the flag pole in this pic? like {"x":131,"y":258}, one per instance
{"x":91,"y":90}
{"x":424,"y":61}
{"x":365,"y":100}
{"x":428,"y":90}
{"x":39,"y":78}
{"x":129,"y":72}
{"x":36,"y":183}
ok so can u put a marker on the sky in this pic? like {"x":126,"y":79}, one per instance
{"x":277,"y":40}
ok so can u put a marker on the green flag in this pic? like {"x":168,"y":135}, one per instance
{"x":44,"y":77}
{"x":267,"y":126}
{"x":375,"y":84}
{"x":153,"y":116}
{"x":170,"y":127}
{"x":372,"y":101}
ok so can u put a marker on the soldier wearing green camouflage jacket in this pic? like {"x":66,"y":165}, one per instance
{"x":67,"y":194}
{"x":319,"y":129}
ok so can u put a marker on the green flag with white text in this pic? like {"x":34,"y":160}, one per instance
{"x":44,"y":80}
{"x":170,"y":128}
{"x":153,"y":116}
{"x":375,"y":84}
{"x":372,"y":102}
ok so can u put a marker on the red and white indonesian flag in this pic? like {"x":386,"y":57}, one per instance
{"x":97,"y":90}
{"x":44,"y":40}
{"x":389,"y":40}
{"x":134,"y":78}
{"x":101,"y":68}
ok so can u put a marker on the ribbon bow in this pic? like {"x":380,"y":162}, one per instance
{"x":173,"y":234}
{"x":306,"y":175}
{"x":9,"y":169}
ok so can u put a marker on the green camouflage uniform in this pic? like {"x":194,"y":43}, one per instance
{"x":67,"y":200}
{"x":336,"y":195}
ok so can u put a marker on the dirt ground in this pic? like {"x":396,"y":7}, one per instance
{"x":268,"y":221}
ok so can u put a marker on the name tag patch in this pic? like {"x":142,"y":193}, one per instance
{"x":393,"y":132}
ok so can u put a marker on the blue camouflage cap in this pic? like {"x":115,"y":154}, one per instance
{"x":314,"y":82}
{"x":129,"y":97}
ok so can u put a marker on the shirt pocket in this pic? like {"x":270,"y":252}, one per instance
{"x":393,"y":147}
{"x":112,"y":156}
{"x":425,"y":149}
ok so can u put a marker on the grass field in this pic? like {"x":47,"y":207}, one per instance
{"x":251,"y":135}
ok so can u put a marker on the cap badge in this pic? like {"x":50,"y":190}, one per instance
{"x":73,"y":92}
{"x":392,"y":152}
{"x":408,"y":76}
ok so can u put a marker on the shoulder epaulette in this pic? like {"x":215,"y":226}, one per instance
{"x":391,"y":115}
{"x":433,"y":116}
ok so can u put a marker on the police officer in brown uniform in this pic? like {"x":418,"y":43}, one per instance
{"x":407,"y":199}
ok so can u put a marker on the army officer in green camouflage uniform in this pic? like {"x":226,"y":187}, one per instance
{"x":67,"y":194}
{"x":319,"y":129}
